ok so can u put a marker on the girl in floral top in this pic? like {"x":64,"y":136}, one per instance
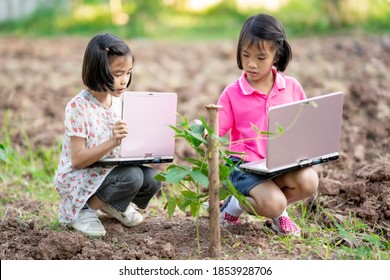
{"x":93,"y":130}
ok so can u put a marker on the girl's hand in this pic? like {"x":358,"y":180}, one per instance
{"x":119,"y":131}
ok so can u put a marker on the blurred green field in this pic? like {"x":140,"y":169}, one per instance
{"x":172,"y":20}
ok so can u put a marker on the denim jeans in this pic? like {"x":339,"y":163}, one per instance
{"x":125,"y":184}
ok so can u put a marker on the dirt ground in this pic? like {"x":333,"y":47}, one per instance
{"x":38,"y":77}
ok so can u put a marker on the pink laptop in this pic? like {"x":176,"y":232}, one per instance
{"x":302,"y":133}
{"x":149,"y":116}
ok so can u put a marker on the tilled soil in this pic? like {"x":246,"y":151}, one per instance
{"x":38,"y":77}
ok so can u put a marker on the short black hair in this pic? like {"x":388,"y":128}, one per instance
{"x":100,"y":51}
{"x":263,"y":27}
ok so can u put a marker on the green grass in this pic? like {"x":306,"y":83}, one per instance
{"x":27,"y":174}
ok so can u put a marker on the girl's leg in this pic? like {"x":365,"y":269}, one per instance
{"x":148,"y":189}
{"x":299,"y":184}
{"x":295,"y":186}
{"x":121,"y":186}
{"x":267,"y":199}
{"x":127,"y":184}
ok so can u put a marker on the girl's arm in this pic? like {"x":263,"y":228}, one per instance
{"x":83,"y":157}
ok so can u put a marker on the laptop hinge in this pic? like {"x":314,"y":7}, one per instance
{"x":304,"y":161}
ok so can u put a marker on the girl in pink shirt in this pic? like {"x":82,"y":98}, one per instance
{"x":262,"y":53}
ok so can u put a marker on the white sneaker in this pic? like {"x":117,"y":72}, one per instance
{"x":88,"y":223}
{"x":129,"y":218}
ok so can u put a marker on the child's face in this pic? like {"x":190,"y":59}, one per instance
{"x":121,"y":68}
{"x":257,"y":61}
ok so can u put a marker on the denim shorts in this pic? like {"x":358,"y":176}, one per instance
{"x":244,"y":181}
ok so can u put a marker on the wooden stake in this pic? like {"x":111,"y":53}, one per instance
{"x":213,"y":151}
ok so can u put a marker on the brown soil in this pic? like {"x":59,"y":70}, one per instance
{"x":38,"y":77}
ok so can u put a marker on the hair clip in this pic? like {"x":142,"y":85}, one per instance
{"x":107,"y":49}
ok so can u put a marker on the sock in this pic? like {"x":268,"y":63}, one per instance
{"x":233,"y":207}
{"x":281,"y":215}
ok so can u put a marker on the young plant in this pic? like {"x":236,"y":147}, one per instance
{"x":192,"y":178}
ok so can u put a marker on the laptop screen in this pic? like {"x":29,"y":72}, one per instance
{"x":148,"y":116}
{"x":304,"y":129}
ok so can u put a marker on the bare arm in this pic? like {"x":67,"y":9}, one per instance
{"x":83,"y":157}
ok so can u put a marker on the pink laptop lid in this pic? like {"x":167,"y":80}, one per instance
{"x":310,"y":129}
{"x":148,"y":116}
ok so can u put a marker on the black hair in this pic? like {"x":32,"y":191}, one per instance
{"x":101,"y":50}
{"x":263,"y":27}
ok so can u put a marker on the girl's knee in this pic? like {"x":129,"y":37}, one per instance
{"x":272,"y":205}
{"x":134,"y":177}
{"x":152,"y":184}
{"x":276,"y":206}
{"x":308,"y":180}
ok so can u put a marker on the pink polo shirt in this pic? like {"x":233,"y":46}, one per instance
{"x":243,"y":105}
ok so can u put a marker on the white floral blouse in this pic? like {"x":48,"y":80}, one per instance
{"x":85,"y":117}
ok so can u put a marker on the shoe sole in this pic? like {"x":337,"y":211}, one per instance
{"x":89,"y":234}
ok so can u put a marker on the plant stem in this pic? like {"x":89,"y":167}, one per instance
{"x":215,"y":231}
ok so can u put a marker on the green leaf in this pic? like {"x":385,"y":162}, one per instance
{"x":223,"y":140}
{"x":178,"y":130}
{"x":190,"y":195}
{"x":3,"y":153}
{"x":224,"y":172}
{"x":171,"y":206}
{"x":194,"y":208}
{"x":177,"y":174}
{"x":197,"y":128}
{"x":206,"y":126}
{"x":199,"y":177}
{"x":173,"y":166}
{"x":196,"y":138}
{"x":223,"y":193}
{"x":199,"y":163}
{"x":160,"y":177}
{"x":183,"y":203}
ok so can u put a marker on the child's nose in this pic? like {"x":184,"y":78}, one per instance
{"x":252,"y":63}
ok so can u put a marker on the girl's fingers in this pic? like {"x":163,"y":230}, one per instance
{"x":119,"y":132}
